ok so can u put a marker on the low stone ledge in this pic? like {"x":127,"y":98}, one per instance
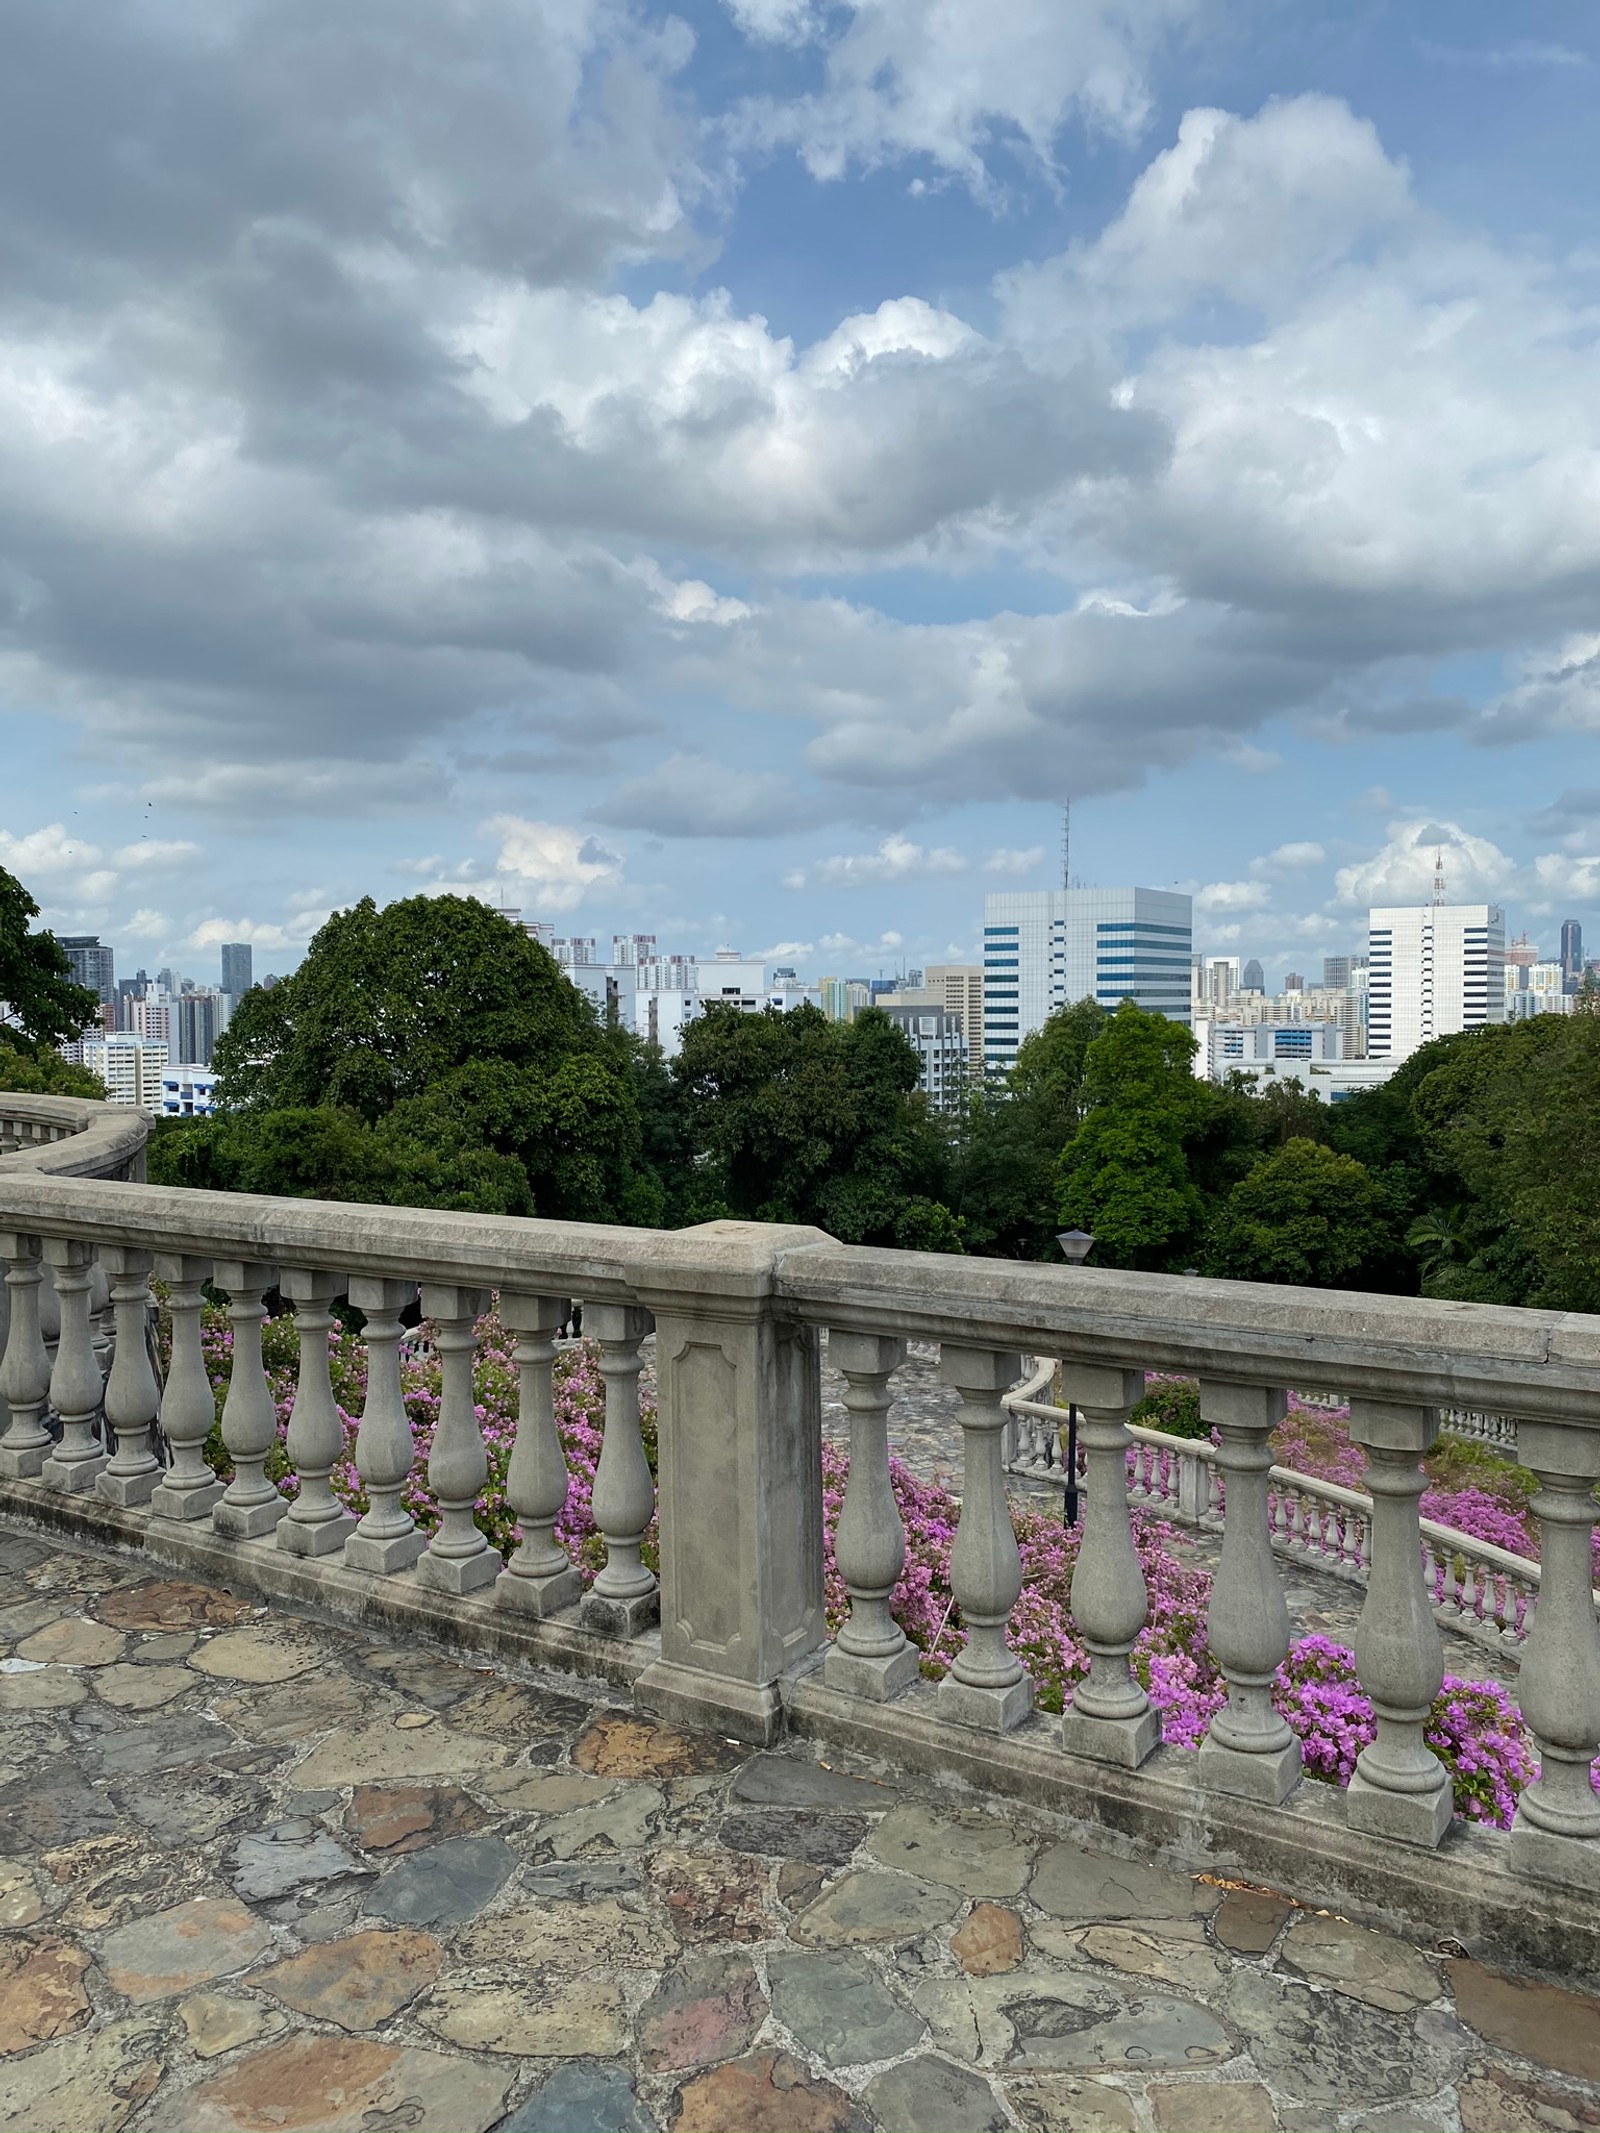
{"x":1465,"y":1891}
{"x":259,"y":1569}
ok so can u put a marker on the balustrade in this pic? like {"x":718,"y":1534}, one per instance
{"x":738,"y":1310}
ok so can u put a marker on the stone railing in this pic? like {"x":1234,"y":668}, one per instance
{"x":1484,"y":1592}
{"x":732,"y":1633}
{"x":71,"y":1137}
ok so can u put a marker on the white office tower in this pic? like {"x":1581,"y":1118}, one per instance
{"x":1045,"y":948}
{"x":1432,"y":969}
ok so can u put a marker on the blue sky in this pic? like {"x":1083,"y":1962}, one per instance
{"x":730,"y":471}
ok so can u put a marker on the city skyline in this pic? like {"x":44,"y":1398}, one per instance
{"x":751,"y":514}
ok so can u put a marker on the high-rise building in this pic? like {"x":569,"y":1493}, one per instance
{"x":131,"y":1068}
{"x":1339,"y":970}
{"x":238,"y":963}
{"x":191,"y":1028}
{"x":1045,"y":948}
{"x":1433,"y":969}
{"x":93,"y":964}
{"x":1571,"y":954}
{"x":1294,"y":981}
{"x":1255,"y":978}
{"x":940,"y":1043}
{"x":961,"y":986}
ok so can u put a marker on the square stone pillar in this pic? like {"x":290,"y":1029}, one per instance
{"x":739,"y":1480}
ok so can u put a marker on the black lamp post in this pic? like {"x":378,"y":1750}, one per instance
{"x":1076,"y":1245}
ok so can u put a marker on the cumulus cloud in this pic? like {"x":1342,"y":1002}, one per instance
{"x":1403,"y":871}
{"x":50,"y":850}
{"x":691,"y":795}
{"x":1215,"y":896}
{"x":555,"y":865}
{"x":291,"y":933}
{"x":896,"y":859}
{"x":1290,"y":856}
{"x":1013,"y":860}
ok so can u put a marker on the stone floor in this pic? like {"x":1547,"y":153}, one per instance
{"x":925,"y":1431}
{"x":256,"y":1873}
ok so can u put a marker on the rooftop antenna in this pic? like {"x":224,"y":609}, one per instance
{"x":1438,"y":879}
{"x":1066,"y":844}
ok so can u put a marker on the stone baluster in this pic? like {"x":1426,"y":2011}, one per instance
{"x":987,"y":1686}
{"x":1556,"y":1836}
{"x":25,"y":1373}
{"x":251,"y":1505}
{"x":1400,"y":1787}
{"x":316,"y":1522}
{"x":871,"y":1655}
{"x":458,"y":1558}
{"x":77,"y":1385}
{"x":104,"y":1314}
{"x":1110,"y":1716}
{"x":189,"y":1489}
{"x":132,"y":1397}
{"x":1248,"y":1748}
{"x":540,"y":1579}
{"x":386,"y":1539}
{"x":624,"y":1598}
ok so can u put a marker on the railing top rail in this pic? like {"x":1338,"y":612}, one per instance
{"x":97,"y":1138}
{"x":1392,"y":1348}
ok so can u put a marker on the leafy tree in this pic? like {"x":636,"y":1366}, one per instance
{"x":1008,"y":1135}
{"x":1124,"y":1175}
{"x":1305,"y":1214}
{"x":45,"y":1073}
{"x":792,"y":1118}
{"x":40,"y":1001}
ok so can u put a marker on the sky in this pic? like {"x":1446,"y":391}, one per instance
{"x":731,"y":470}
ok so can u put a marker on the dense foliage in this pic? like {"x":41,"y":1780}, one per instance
{"x":41,"y":1004}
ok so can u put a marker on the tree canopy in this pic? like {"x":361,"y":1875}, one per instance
{"x":41,"y":1003}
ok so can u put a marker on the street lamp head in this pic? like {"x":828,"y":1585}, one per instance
{"x":1076,"y":1245}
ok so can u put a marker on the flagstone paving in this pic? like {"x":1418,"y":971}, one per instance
{"x":322,"y":1883}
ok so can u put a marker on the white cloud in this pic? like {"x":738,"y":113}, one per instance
{"x":48,"y":851}
{"x":1403,"y":871}
{"x":896,"y":859}
{"x":556,"y":865}
{"x":1009,"y":860}
{"x":303,"y":788}
{"x":1558,"y":692}
{"x":1231,"y":896}
{"x":260,"y":933}
{"x":1289,"y":856}
{"x":154,"y":853}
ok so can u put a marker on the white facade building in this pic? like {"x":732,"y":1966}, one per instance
{"x":188,"y":1092}
{"x":1432,"y":969}
{"x":130,"y":1066}
{"x":1227,"y":1047}
{"x":939,"y":1040}
{"x":1046,"y":948}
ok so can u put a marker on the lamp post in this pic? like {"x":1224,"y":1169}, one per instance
{"x":1076,"y":1245}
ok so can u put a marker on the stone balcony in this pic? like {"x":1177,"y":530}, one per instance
{"x":672,"y":1840}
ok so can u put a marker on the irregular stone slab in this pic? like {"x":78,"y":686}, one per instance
{"x":1059,"y":2103}
{"x":510,"y":1711}
{"x":1177,"y":1955}
{"x":178,"y":1814}
{"x":18,"y":1553}
{"x":523,"y":1791}
{"x":619,"y":1746}
{"x":873,"y":1907}
{"x":582,"y":1880}
{"x":164,"y":1650}
{"x":1324,"y":2049}
{"x":799,"y":1884}
{"x":357,"y":1755}
{"x":444,"y":1886}
{"x":419,"y":1676}
{"x":311,"y":2084}
{"x":1496,"y":2100}
{"x":794,"y":1833}
{"x":1213,"y":2107}
{"x":836,"y":2006}
{"x":973,"y":1852}
{"x":141,"y":1688}
{"x":713,"y":1896}
{"x":706,"y":2010}
{"x":52,"y":1688}
{"x":135,"y":1885}
{"x":20,"y":1901}
{"x":157,"y":1958}
{"x":358,"y":1982}
{"x":604,"y":1935}
{"x":73,"y":1641}
{"x":1087,"y":1887}
{"x":273,"y":1862}
{"x":1369,"y":1966}
{"x":1151,"y":2033}
{"x":406,"y":1818}
{"x":1250,"y":1920}
{"x":621,"y":1823}
{"x":278,"y":1716}
{"x":92,"y":2082}
{"x":794,"y":1781}
{"x":165,"y":1744}
{"x":970,"y":2017}
{"x":41,"y":1992}
{"x":990,"y":1942}
{"x":1539,"y":2022}
{"x":268,"y":1653}
{"x":584,"y":2096}
{"x":23,"y":1617}
{"x":214,"y":2024}
{"x":769,"y":2092}
{"x":172,"y":1604}
{"x":539,"y":2017}
{"x":935,"y":2097}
